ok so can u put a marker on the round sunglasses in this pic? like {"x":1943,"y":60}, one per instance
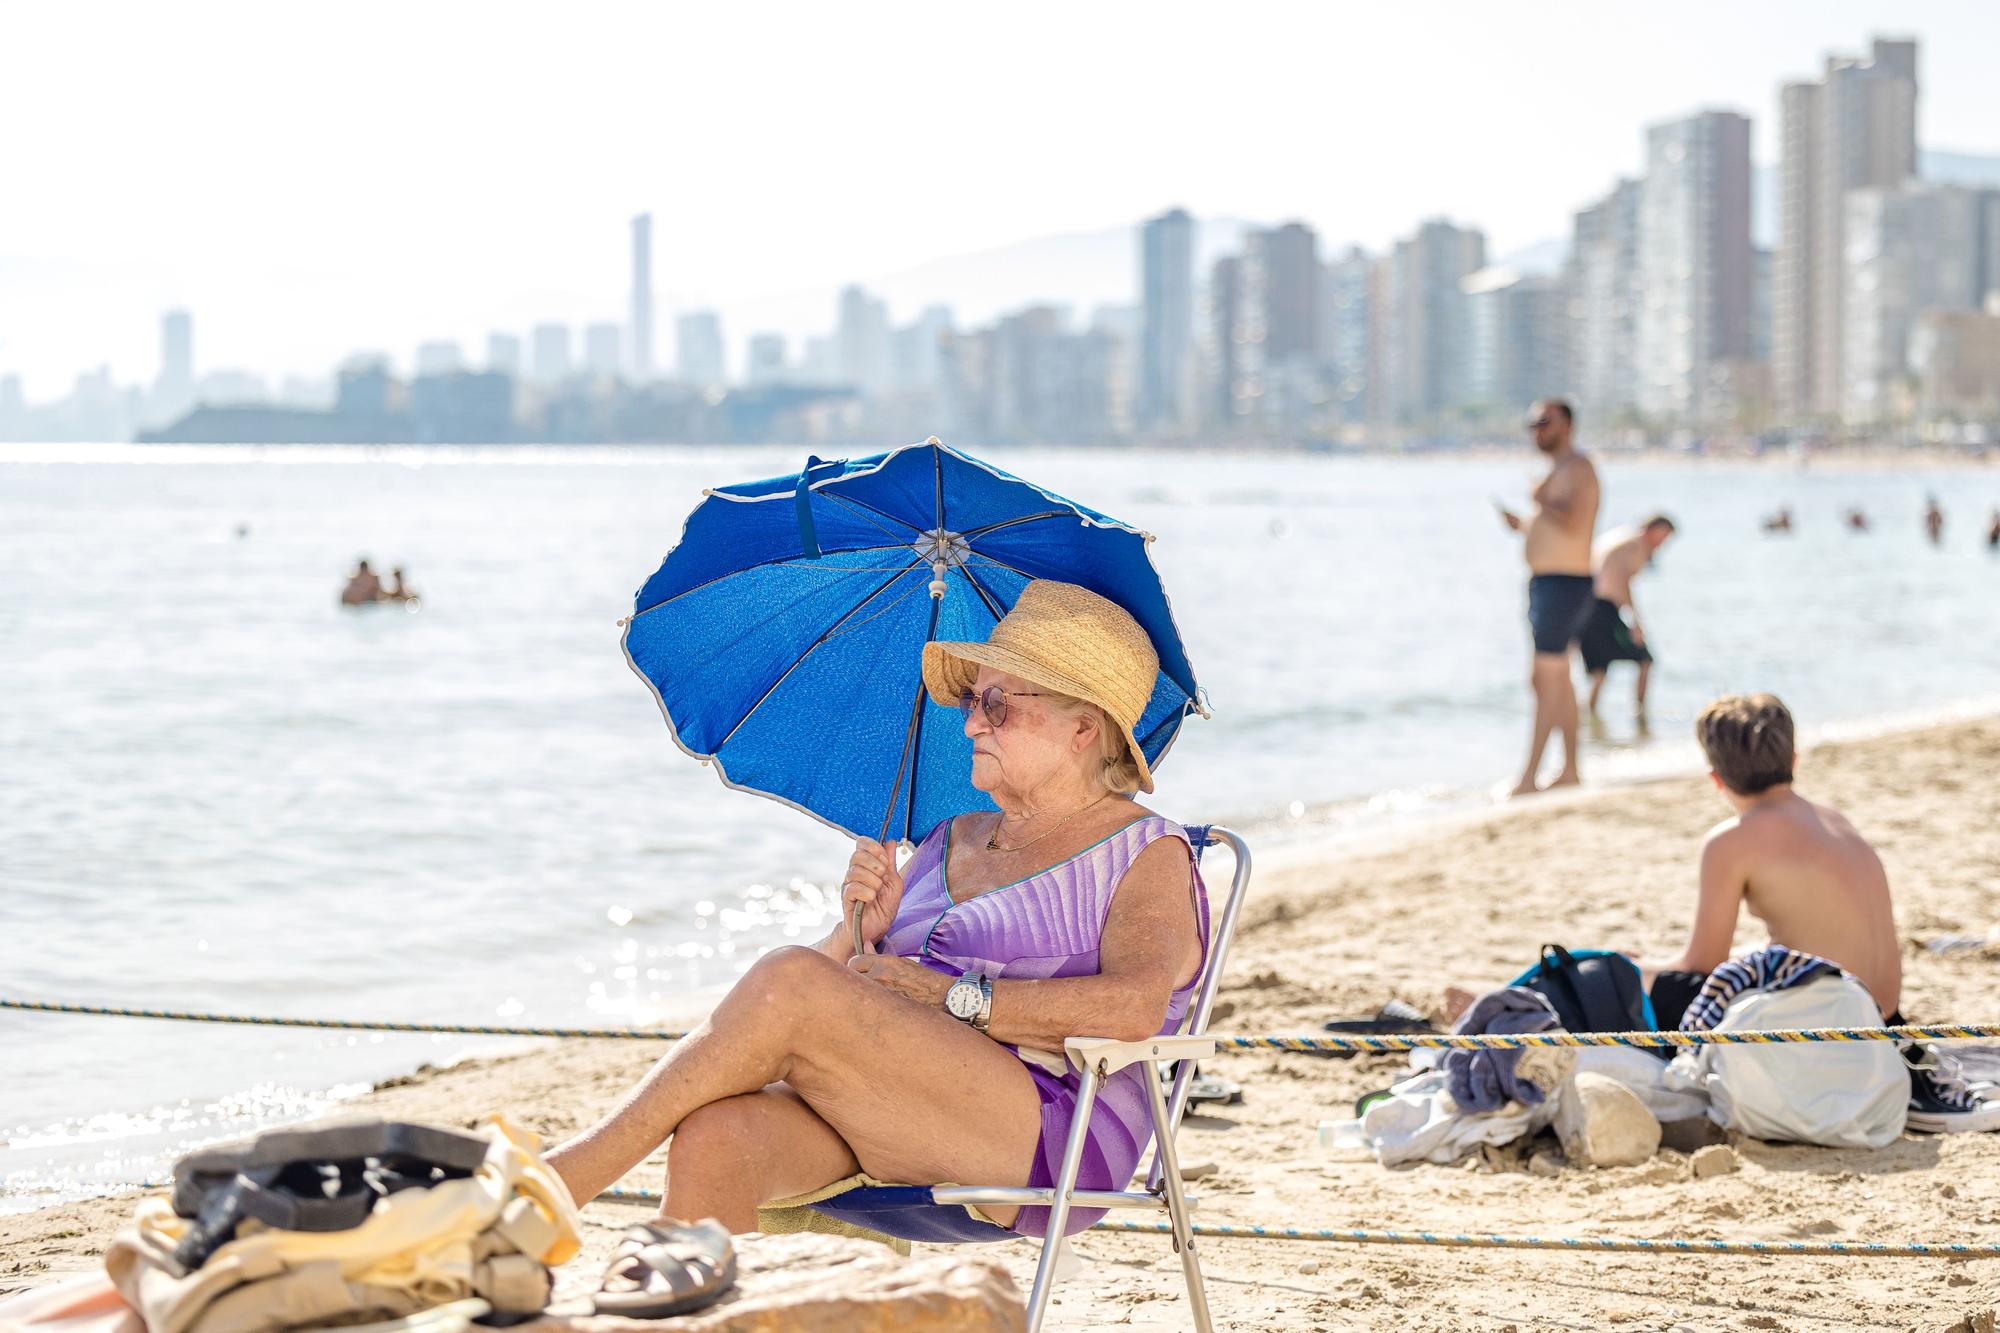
{"x":993,"y":702}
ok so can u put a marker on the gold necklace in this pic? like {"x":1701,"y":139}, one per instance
{"x":993,"y":841}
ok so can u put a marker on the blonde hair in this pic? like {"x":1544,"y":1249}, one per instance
{"x":1116,"y":772}
{"x":1748,"y":740}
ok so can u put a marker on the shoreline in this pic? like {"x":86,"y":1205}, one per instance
{"x":1280,"y":843}
{"x":1332,"y":930}
{"x":1654,"y":761}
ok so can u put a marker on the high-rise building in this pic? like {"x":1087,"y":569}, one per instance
{"x":1602,"y":314}
{"x":642,"y":297}
{"x":916,"y":350}
{"x":441,"y":357}
{"x":819,"y":359}
{"x":1856,"y":128}
{"x":861,"y":342}
{"x":1385,"y":344}
{"x":698,"y":354}
{"x":1166,"y":321}
{"x":603,"y":350}
{"x":549,"y":347}
{"x":1225,"y":303}
{"x":1277,"y":324}
{"x":1955,"y":359}
{"x":1347,"y":332}
{"x":1429,"y":317}
{"x":765,"y":363}
{"x":173,"y":391}
{"x":1281,"y":274}
{"x":503,"y":354}
{"x":1514,"y":340}
{"x":1695,"y":269}
{"x":1918,"y":248}
{"x":1760,"y":305}
{"x":1050,"y":383}
{"x":176,"y":349}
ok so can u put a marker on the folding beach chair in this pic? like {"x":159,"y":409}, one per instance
{"x":938,"y":1214}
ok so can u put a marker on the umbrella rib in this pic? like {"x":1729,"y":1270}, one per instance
{"x":825,"y":635}
{"x":992,"y":602}
{"x":775,"y":562}
{"x":911,"y":752}
{"x":996,"y":560}
{"x":1010,"y":523}
{"x":937,"y":475}
{"x":851,"y":503}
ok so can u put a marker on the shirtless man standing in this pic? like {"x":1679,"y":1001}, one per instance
{"x":1607,"y":636}
{"x":1559,"y":582}
{"x":1804,"y":871}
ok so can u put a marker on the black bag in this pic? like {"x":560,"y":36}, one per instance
{"x":1592,"y":990}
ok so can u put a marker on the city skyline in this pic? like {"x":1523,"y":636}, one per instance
{"x":403,"y":262}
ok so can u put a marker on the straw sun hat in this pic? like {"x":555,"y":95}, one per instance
{"x":1068,"y":639}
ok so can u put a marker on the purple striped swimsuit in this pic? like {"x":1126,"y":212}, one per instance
{"x":1047,"y":925}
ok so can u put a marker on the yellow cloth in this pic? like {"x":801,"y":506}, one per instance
{"x":785,"y":1216}
{"x":490,"y":1235}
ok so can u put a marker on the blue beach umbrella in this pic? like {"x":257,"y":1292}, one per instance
{"x":783,"y":636}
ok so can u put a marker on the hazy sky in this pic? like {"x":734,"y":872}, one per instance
{"x":310,"y":179}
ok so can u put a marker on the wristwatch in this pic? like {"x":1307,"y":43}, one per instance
{"x":970,"y":1000}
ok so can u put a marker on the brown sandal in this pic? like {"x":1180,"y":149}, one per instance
{"x":660,"y":1270}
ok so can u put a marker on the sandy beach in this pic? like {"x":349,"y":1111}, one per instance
{"x":1332,"y":931}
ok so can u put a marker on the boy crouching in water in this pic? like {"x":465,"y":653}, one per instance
{"x":1804,"y":871}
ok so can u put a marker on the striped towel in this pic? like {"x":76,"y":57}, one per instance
{"x":1772,"y":968}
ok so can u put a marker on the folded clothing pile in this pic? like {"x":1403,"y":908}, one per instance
{"x":365,"y":1220}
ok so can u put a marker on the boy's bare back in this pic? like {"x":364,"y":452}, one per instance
{"x":1813,"y":880}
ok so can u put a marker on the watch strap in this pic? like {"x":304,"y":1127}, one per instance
{"x":985,"y":1014}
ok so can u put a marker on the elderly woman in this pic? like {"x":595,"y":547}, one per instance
{"x":931,"y":1056}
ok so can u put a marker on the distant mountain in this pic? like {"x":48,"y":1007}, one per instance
{"x":1961,"y":168}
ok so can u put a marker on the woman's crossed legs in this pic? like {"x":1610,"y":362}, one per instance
{"x":804,"y":1072}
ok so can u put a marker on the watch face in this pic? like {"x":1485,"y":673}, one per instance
{"x":962,"y":1000}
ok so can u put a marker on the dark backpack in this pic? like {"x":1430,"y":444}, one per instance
{"x":1591,"y":990}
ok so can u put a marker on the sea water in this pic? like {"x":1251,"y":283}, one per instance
{"x":219,"y":790}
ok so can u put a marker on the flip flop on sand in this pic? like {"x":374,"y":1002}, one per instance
{"x":1394,"y":1019}
{"x":660,"y":1270}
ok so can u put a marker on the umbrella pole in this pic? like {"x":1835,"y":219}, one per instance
{"x":895,"y":792}
{"x":907,"y":765}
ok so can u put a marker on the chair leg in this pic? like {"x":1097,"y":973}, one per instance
{"x":1072,"y":1162}
{"x":1177,"y":1210}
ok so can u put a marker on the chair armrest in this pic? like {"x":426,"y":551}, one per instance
{"x":1108,"y":1056}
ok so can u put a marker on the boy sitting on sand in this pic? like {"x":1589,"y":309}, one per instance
{"x":1812,"y":879}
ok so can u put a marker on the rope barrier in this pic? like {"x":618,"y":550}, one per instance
{"x":1601,"y":1244}
{"x":1275,"y":1042}
{"x":1840,"y":1249}
{"x":1612,"y":1244}
{"x":1499,"y":1241}
{"x":339,"y":1024}
{"x":1652,"y":1040}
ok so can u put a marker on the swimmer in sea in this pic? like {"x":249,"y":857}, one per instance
{"x":363,"y":586}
